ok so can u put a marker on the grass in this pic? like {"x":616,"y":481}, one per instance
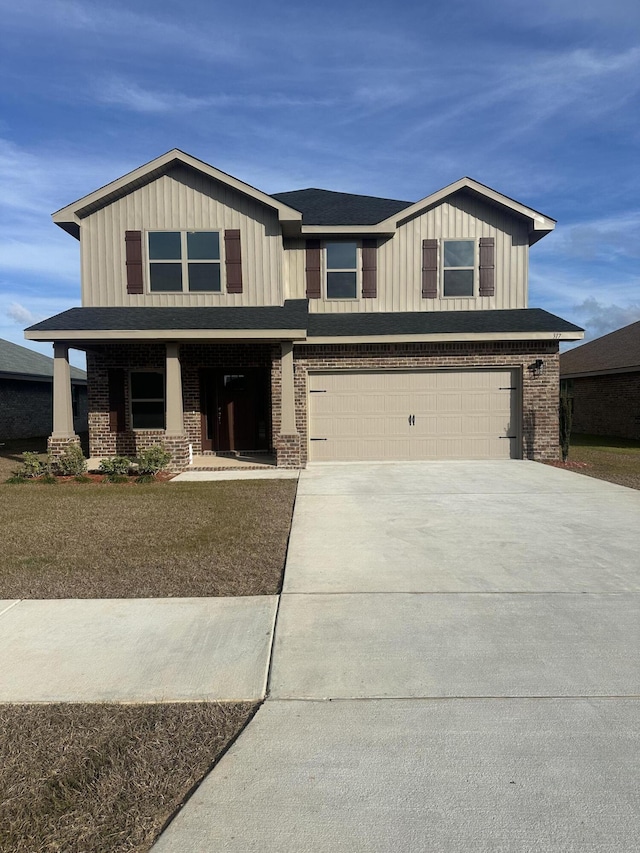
{"x":144,"y":541}
{"x":614,"y":459}
{"x":103,"y":778}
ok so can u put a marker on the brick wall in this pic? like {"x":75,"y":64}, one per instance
{"x":26,"y":409}
{"x":539,"y":393}
{"x":607,"y":405}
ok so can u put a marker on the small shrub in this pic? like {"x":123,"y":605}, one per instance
{"x":16,"y":479}
{"x":145,"y":478}
{"x":152,"y":460}
{"x":82,"y":478}
{"x":71,"y":462}
{"x":32,"y":466}
{"x":115,"y":468}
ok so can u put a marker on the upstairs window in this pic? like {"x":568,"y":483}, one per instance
{"x":182,"y":261}
{"x":458,"y":267}
{"x":342,"y":270}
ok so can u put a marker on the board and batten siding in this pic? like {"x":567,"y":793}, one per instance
{"x":399,"y":261}
{"x":181,"y":200}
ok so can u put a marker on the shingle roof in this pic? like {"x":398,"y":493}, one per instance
{"x":20,"y":361}
{"x":619,"y":350}
{"x":437,"y":322}
{"x":325,"y":207}
{"x":294,"y":315}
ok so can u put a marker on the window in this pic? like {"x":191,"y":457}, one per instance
{"x":147,"y":399}
{"x":342,"y":270}
{"x":184,"y":261}
{"x":458,"y":267}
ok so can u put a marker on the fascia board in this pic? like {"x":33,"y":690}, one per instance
{"x":610,"y":372}
{"x":379,"y":228}
{"x":70,"y":212}
{"x":109,"y":335}
{"x":468,"y":337}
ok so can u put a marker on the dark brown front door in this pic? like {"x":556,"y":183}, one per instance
{"x":234,"y":407}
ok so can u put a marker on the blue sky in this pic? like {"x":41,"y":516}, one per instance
{"x":540,"y":101}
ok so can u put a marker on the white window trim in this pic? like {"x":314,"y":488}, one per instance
{"x":184,"y":260}
{"x":475,"y":267}
{"x":162,"y":399}
{"x":357,"y":270}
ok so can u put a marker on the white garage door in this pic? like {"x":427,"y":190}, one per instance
{"x":439,"y":414}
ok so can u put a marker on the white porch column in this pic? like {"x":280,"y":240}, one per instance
{"x":175,"y":416}
{"x":288,"y":422}
{"x":62,"y":408}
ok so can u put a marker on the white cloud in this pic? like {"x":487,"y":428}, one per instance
{"x":20,"y":314}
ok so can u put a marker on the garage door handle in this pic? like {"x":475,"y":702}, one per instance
{"x":412,"y":420}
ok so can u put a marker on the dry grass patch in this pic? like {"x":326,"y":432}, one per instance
{"x":103,"y":778}
{"x":614,"y":459}
{"x":144,"y":541}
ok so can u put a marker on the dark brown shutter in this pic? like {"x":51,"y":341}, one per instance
{"x":313,"y":269}
{"x":233,"y":260}
{"x":487,"y":266}
{"x":369,"y":269}
{"x":133,"y":243}
{"x":116,"y":400}
{"x":429,"y":269}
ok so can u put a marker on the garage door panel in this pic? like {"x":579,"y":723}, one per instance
{"x":463,"y":414}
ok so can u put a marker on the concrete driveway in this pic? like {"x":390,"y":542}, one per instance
{"x":455,"y":668}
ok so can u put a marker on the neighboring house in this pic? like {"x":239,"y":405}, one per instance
{"x":319,"y":325}
{"x":26,"y":398}
{"x":603,"y":379}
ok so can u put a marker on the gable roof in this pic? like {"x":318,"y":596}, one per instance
{"x":308,"y":211}
{"x":618,"y":351}
{"x":325,"y":207}
{"x":18,"y":362}
{"x":69,"y":217}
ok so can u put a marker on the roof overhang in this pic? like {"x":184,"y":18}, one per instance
{"x":69,"y":218}
{"x":610,"y":372}
{"x":443,"y":337}
{"x":107,"y":336}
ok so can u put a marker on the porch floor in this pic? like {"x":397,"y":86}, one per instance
{"x":223,"y":463}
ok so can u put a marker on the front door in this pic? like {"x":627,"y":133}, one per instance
{"x":234,"y":408}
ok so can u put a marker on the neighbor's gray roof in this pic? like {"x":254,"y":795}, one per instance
{"x":294,"y":315}
{"x":22,"y":362}
{"x":619,"y":350}
{"x":325,"y":207}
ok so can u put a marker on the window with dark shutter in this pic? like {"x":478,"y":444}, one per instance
{"x":133,"y":245}
{"x":487,"y":266}
{"x":429,"y":269}
{"x":312,"y":269}
{"x":116,"y":400}
{"x":233,"y":260}
{"x":369,"y":269}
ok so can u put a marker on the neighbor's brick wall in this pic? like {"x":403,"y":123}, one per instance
{"x":539,"y":394}
{"x":25,"y":409}
{"x":607,"y":405}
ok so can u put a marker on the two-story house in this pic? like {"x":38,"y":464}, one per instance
{"x":318,"y":325}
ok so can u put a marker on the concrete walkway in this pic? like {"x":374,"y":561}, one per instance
{"x":137,"y":650}
{"x":455,"y":669}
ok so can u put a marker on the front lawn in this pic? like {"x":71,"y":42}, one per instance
{"x":144,"y":541}
{"x":104,"y":778}
{"x":614,"y":459}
